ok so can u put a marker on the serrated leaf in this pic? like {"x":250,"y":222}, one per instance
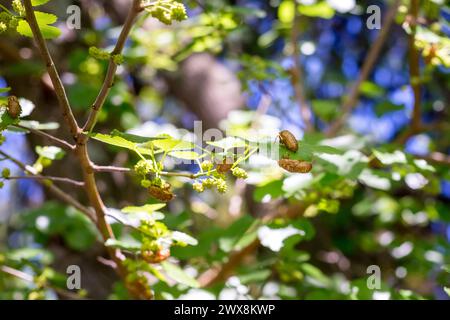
{"x":171,"y":144}
{"x":119,"y":141}
{"x":179,"y":275}
{"x":183,"y":238}
{"x":44,"y":20}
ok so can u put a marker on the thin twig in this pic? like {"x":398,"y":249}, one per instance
{"x":51,"y":69}
{"x":60,"y":142}
{"x":110,"y":169}
{"x":112,"y":68}
{"x":297,"y":76}
{"x":29,"y":278}
{"x":351,"y":101}
{"x":64,"y":196}
{"x":49,"y":178}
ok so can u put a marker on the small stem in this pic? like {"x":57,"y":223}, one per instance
{"x":58,"y":141}
{"x":110,"y":169}
{"x":112,"y":68}
{"x":6,"y":9}
{"x":48,"y":178}
{"x":29,"y":278}
{"x":64,"y":196}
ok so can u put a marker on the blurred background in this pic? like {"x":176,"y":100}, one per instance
{"x":239,"y":66}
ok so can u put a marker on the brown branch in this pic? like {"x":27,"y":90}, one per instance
{"x":49,"y":179}
{"x":51,"y":69}
{"x":64,"y":196}
{"x":136,"y":289}
{"x":112,"y":67}
{"x":352,"y":99}
{"x":297,"y":76}
{"x":60,"y":142}
{"x":110,"y":169}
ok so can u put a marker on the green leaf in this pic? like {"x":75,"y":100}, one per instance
{"x":6,"y":120}
{"x":44,"y":20}
{"x":149,"y":208}
{"x":325,"y":109}
{"x":117,"y":140}
{"x":371,"y":90}
{"x":133,"y":137}
{"x":315,"y":273}
{"x":128,"y":245}
{"x":286,"y":11}
{"x":177,"y":274}
{"x":170,"y":144}
{"x":36,"y":3}
{"x":51,"y":152}
{"x":318,"y":10}
{"x":183,"y":238}
{"x":234,"y":233}
{"x":271,"y":190}
{"x":27,"y":254}
{"x":386,"y":107}
{"x":4,"y":90}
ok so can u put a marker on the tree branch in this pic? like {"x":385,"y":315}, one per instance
{"x":29,"y":278}
{"x":51,"y":69}
{"x":110,"y":169}
{"x":60,"y":142}
{"x":352,"y":99}
{"x":112,"y":68}
{"x":64,"y":196}
{"x":49,"y":179}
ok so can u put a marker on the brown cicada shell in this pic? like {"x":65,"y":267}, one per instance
{"x":14,"y":108}
{"x":289,"y":140}
{"x":295,"y":166}
{"x":161,"y":193}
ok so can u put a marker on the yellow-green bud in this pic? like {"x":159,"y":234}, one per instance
{"x":6,"y":173}
{"x":239,"y":173}
{"x":221,"y":185}
{"x":198,"y":186}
